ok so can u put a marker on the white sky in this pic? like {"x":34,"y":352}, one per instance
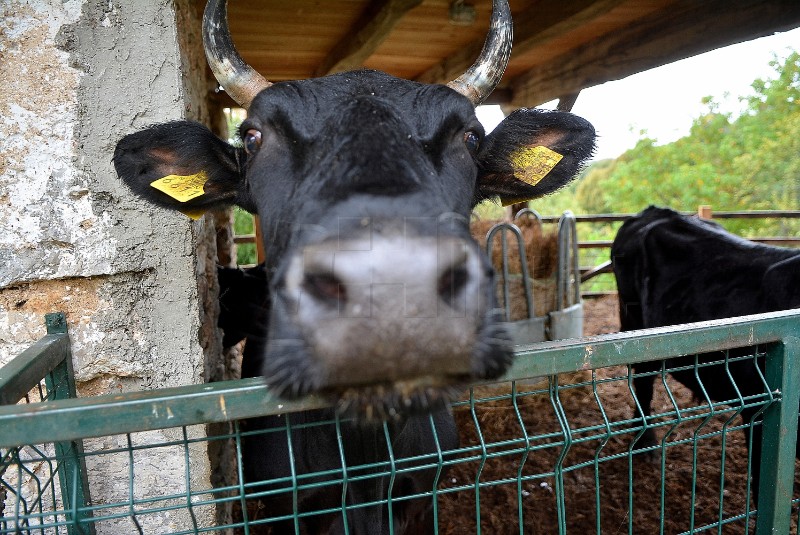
{"x":665,"y":100}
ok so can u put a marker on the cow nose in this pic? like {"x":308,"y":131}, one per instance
{"x":453,"y":279}
{"x":348,"y":277}
{"x":383,"y":309}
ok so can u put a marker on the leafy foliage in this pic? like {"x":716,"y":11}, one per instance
{"x":243,"y":224}
{"x":750,"y":161}
{"x":746,"y":162}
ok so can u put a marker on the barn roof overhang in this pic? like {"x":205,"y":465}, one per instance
{"x":560,"y":47}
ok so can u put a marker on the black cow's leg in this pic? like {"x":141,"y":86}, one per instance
{"x":412,"y":517}
{"x":416,"y":516}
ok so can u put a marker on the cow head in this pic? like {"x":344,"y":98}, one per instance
{"x":363,"y":184}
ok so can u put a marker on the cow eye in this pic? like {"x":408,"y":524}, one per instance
{"x":471,"y":140}
{"x":252,"y":141}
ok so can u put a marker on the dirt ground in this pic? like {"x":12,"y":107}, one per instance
{"x":639,"y":489}
{"x":632,"y":492}
{"x":601,"y":315}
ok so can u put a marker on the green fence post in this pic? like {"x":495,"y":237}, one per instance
{"x":71,"y":462}
{"x":779,"y":438}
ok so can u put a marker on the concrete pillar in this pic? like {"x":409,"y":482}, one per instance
{"x":137,"y":282}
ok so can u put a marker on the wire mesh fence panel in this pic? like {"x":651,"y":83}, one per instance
{"x":562,"y":456}
{"x":44,"y":483}
{"x":562,"y":445}
{"x":29,"y":483}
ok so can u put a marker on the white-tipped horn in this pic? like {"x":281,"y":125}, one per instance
{"x":483,"y":76}
{"x":241,"y":81}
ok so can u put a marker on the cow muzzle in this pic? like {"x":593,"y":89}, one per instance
{"x":391,"y":324}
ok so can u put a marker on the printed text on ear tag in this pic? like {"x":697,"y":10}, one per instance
{"x":531,"y":164}
{"x":182,"y":188}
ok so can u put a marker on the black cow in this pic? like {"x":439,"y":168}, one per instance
{"x":375,"y":295}
{"x":674,"y":269}
{"x":244,"y":307}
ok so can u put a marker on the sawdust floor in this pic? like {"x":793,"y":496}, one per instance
{"x":499,"y":504}
{"x":626,"y":503}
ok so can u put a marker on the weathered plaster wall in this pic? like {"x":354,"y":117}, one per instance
{"x":136,"y":282}
{"x":49,"y":227}
{"x":105,"y":70}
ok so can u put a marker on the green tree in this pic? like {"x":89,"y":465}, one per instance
{"x":589,"y":195}
{"x":747,"y":162}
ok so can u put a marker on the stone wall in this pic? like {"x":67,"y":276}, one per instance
{"x":137,"y":283}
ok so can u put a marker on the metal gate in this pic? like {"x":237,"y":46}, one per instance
{"x":566,"y":439}
{"x":565,"y":320}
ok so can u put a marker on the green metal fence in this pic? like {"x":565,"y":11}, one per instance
{"x":39,"y":376}
{"x":549,"y":449}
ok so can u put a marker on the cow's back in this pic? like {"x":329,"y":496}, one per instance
{"x":673,"y":269}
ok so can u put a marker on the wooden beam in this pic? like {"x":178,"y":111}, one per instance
{"x":686,"y":29}
{"x":566,"y":102}
{"x":554,"y":18}
{"x":499,"y":96}
{"x":371,"y":29}
{"x":549,"y":19}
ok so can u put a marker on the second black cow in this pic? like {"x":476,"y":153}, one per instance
{"x":673,"y":269}
{"x":374,"y":293}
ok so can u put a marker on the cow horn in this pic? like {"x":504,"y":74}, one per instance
{"x":480,"y":80}
{"x":241,"y":81}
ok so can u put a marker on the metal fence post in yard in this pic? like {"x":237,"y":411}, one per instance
{"x":51,"y":359}
{"x":72,"y":466}
{"x":532,"y":328}
{"x":503,"y":473}
{"x":566,"y":321}
{"x":26,"y":371}
{"x":780,"y":437}
{"x":569,"y":274}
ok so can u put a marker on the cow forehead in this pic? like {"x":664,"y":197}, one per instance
{"x":311,"y":103}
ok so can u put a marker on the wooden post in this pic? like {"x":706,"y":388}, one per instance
{"x":566,"y":102}
{"x":704,"y":211}
{"x":512,"y":209}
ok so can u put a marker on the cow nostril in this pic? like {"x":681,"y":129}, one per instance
{"x":325,"y":287}
{"x":452,"y":282}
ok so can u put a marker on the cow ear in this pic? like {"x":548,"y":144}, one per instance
{"x":182,"y":165}
{"x":532,"y":153}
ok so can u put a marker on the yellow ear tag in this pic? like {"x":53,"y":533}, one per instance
{"x":182,"y":188}
{"x":193,"y":214}
{"x":509,"y":201}
{"x":531,"y":164}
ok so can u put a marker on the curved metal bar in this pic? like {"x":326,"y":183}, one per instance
{"x":567,"y":249}
{"x":530,"y":212}
{"x":483,"y":76}
{"x":526,"y":283}
{"x":241,"y":81}
{"x":605,"y":267}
